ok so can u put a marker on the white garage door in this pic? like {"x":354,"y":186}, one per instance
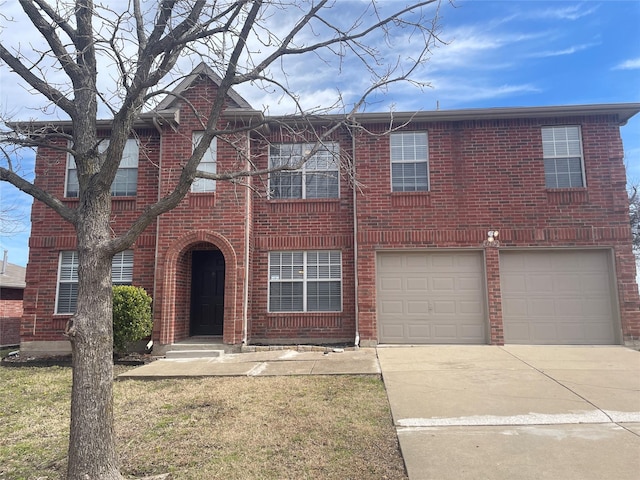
{"x":559,"y":297}
{"x":431,"y":297}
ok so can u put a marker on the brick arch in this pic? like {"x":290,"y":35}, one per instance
{"x":170,"y":290}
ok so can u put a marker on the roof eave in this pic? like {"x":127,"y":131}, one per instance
{"x":623,"y":111}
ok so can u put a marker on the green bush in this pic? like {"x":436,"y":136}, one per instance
{"x":131,"y":315}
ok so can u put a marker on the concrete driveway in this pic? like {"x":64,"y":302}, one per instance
{"x":515,"y":412}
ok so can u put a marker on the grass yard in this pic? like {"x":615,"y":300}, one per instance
{"x":320,"y":427}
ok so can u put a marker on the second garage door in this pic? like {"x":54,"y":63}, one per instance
{"x":431,"y":297}
{"x":557,"y":297}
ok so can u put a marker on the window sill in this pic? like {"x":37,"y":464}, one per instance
{"x":304,"y":205}
{"x":303,"y":200}
{"x":304,"y":319}
{"x":567,"y":196}
{"x":202,"y":199}
{"x":411,"y":199}
{"x":275,"y":314}
{"x":117,"y":203}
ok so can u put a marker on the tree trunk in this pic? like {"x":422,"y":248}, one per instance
{"x":92,"y":450}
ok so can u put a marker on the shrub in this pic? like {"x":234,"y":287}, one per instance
{"x":131,"y":315}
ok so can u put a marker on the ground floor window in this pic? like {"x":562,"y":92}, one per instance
{"x":67,"y":297}
{"x":308,"y":281}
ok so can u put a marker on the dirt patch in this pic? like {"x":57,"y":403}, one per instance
{"x":17,"y":360}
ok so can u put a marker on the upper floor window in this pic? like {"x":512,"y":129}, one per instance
{"x":305,"y":281}
{"x":67,"y":297}
{"x":562,"y":151}
{"x":207,"y":164}
{"x":126,"y":181}
{"x":409,"y":162}
{"x":317,"y":178}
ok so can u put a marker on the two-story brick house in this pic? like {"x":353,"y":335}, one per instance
{"x":505,"y":225}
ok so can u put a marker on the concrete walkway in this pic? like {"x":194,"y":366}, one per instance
{"x":270,"y":363}
{"x":516,"y":412}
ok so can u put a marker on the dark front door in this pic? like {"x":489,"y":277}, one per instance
{"x":207,"y":292}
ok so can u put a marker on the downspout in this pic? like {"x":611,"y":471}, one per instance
{"x":355,"y":236}
{"x":247,"y":237}
{"x":158,"y":128}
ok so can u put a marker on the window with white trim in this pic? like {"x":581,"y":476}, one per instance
{"x":563,"y":161}
{"x":207,"y":164}
{"x":317,"y":178}
{"x":125,"y":183}
{"x":409,"y":162}
{"x":305,"y":281}
{"x":67,"y":297}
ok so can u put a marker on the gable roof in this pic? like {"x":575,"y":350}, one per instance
{"x":201,"y":70}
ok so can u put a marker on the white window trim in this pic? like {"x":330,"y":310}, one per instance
{"x":427,"y":161}
{"x":304,"y":280}
{"x":334,"y":150}
{"x":122,"y":259}
{"x":205,"y":185}
{"x":582,"y":167}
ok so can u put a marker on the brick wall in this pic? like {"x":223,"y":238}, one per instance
{"x":202,"y":221}
{"x":488,"y":175}
{"x":10,"y":315}
{"x":484,"y":175}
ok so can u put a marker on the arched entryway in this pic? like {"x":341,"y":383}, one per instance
{"x":199,"y":290}
{"x":207,"y":293}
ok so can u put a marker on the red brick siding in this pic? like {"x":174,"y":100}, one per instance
{"x":10,"y":315}
{"x":200,"y":221}
{"x":489,"y":175}
{"x":301,"y":225}
{"x":484,"y":175}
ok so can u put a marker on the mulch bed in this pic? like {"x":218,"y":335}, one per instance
{"x":16,"y":360}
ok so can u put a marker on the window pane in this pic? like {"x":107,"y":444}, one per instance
{"x":286,"y":185}
{"x":286,"y":297}
{"x":322,"y":185}
{"x":130,"y":154}
{"x":408,"y":146}
{"x":318,"y":273}
{"x":67,"y":298}
{"x":562,"y":150}
{"x":409,"y":162}
{"x":122,"y":268}
{"x":286,"y":266}
{"x":323,"y":297}
{"x":126,"y":182}
{"x":317,"y":178}
{"x":563,"y":180}
{"x":73,"y":188}
{"x":69,"y":267}
{"x":409,"y":177}
{"x":207,"y":164}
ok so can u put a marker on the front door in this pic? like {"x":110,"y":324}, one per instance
{"x":207,"y":292}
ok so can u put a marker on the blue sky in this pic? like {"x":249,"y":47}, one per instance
{"x":497,"y":54}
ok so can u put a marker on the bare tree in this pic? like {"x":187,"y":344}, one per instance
{"x":120,"y":57}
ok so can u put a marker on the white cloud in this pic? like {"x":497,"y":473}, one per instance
{"x":633,"y":64}
{"x":565,"y":51}
{"x":571,"y":12}
{"x":470,"y":46}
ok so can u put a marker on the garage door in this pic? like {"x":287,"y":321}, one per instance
{"x":431,"y":297}
{"x":560,"y":297}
